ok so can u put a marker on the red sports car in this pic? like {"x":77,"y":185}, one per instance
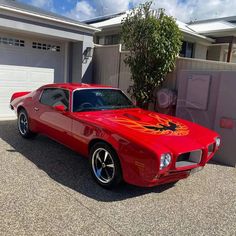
{"x":122,"y":141}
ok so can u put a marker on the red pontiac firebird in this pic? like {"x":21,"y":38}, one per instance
{"x":122,"y":141}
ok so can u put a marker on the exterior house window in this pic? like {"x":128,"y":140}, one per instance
{"x":44,"y":46}
{"x":108,"y":39}
{"x":12,"y":42}
{"x":100,"y":40}
{"x":187,"y":49}
{"x":112,"y":39}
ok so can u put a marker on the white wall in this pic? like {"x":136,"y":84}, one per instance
{"x":87,"y":70}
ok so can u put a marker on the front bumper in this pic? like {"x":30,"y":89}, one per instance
{"x":144,"y":169}
{"x":170,"y":177}
{"x":146,"y":175}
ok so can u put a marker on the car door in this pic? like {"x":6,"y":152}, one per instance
{"x":52,"y":122}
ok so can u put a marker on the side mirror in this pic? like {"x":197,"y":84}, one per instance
{"x":60,"y":108}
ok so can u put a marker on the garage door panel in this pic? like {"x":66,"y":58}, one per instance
{"x":45,"y":60}
{"x":10,"y":57}
{"x":50,"y":63}
{"x":16,"y":74}
{"x":6,"y":93}
{"x":17,"y":79}
{"x":24,"y":77}
{"x":8,"y":113}
{"x":43,"y":77}
{"x":27,"y":64}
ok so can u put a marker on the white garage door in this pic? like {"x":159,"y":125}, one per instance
{"x":17,"y":79}
{"x":26,"y":64}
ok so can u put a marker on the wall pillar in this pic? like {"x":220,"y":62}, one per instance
{"x":230,"y":49}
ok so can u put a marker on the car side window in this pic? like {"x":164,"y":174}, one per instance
{"x":55,"y":97}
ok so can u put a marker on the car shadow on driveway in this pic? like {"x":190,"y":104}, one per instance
{"x":65,"y":166}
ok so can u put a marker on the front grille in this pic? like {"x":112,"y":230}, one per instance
{"x":189,"y":158}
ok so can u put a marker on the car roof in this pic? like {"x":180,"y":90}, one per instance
{"x":73,"y":86}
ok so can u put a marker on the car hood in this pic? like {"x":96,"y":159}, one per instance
{"x":152,"y":129}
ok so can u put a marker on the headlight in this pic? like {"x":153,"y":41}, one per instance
{"x":218,"y":141}
{"x":165,"y":160}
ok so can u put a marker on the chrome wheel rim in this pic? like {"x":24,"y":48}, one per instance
{"x":23,"y":124}
{"x":103,"y":165}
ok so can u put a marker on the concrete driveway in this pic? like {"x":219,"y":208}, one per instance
{"x":46,"y":189}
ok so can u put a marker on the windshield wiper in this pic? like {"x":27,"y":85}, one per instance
{"x":105,"y":108}
{"x":89,"y":109}
{"x":123,"y":107}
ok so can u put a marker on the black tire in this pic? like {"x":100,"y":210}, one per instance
{"x":106,"y":171}
{"x":23,"y":125}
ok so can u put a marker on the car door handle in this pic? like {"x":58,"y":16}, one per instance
{"x":36,"y":109}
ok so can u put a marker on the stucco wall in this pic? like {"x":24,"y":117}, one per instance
{"x":200,"y":51}
{"x":109,"y":67}
{"x":219,"y":106}
{"x":214,"y":53}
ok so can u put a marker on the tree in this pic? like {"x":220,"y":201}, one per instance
{"x":154,"y":41}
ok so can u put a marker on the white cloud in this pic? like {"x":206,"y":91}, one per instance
{"x":187,"y":10}
{"x":184,"y":10}
{"x":89,"y":9}
{"x":82,"y":11}
{"x":105,"y":7}
{"x":45,"y":4}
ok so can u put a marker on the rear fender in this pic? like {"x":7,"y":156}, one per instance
{"x":18,"y":95}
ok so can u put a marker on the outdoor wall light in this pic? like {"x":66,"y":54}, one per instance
{"x":88,"y":53}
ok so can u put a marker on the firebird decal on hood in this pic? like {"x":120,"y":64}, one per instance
{"x":158,"y":126}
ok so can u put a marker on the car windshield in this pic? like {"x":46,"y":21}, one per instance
{"x":100,"y":99}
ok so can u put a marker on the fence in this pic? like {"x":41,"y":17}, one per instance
{"x":199,"y":82}
{"x":110,"y":69}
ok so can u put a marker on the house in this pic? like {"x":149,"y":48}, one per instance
{"x":211,"y":39}
{"x":194,"y":45}
{"x":39,"y":47}
{"x":223,"y":31}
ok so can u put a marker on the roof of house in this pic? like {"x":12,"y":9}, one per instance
{"x":23,"y":8}
{"x":231,"y":19}
{"x":116,"y":19}
{"x":212,"y":26}
{"x":103,"y":18}
{"x":218,"y":27}
{"x":107,"y":21}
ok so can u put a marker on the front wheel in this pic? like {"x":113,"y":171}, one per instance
{"x":105,"y":165}
{"x":23,"y":125}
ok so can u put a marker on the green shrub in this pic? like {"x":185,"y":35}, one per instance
{"x":154,"y":41}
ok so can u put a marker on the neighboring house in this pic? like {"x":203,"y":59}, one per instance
{"x":212,"y":39}
{"x":223,"y":31}
{"x":38,"y":47}
{"x":194,"y":45}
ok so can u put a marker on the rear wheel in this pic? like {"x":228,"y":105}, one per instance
{"x":105,"y":165}
{"x":23,"y":125}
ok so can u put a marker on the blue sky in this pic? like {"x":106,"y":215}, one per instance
{"x":184,"y":10}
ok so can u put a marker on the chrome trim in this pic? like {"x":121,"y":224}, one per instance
{"x":53,"y":88}
{"x":23,"y":125}
{"x":103,"y":164}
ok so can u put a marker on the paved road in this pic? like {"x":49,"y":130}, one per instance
{"x":46,"y":189}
